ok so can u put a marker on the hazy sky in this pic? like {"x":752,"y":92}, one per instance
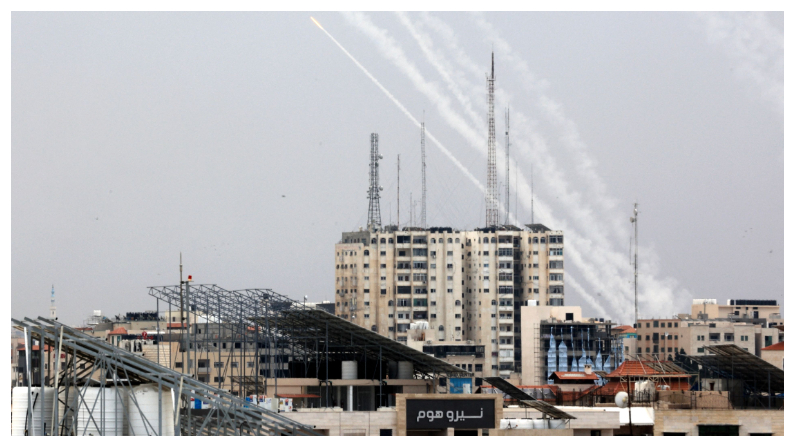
{"x":242,"y":141}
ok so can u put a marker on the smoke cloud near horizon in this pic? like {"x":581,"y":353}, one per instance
{"x":591,"y":237}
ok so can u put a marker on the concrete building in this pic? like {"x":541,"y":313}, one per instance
{"x":774,"y":354}
{"x":558,"y":338}
{"x":749,"y":324}
{"x":469,"y":286}
{"x":767,"y":310}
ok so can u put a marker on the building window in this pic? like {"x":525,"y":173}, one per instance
{"x":656,"y":324}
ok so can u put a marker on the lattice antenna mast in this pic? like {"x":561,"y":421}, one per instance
{"x":507,"y":166}
{"x":423,"y":223}
{"x":373,"y":194}
{"x":492,"y":217}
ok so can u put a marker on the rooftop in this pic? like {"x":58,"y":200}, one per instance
{"x":776,"y":347}
{"x":118,"y":331}
{"x":638,"y":368}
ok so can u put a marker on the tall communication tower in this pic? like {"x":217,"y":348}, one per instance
{"x":373,"y":194}
{"x":492,"y":217}
{"x":507,"y":166}
{"x":52,"y":304}
{"x":423,"y":223}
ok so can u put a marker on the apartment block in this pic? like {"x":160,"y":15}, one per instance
{"x":467,"y":285}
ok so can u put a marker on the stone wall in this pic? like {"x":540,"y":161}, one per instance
{"x":749,"y":421}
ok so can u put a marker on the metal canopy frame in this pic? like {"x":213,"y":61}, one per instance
{"x":109,"y":367}
{"x":732,"y":362}
{"x":527,"y":400}
{"x":295,"y":330}
{"x":345,"y":337}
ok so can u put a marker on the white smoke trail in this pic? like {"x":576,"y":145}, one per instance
{"x":661,"y":290}
{"x":755,"y":45}
{"x":393,"y":52}
{"x":610,"y":276}
{"x":405,"y":111}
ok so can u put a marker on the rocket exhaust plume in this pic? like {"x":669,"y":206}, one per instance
{"x":405,"y":111}
{"x":317,"y":23}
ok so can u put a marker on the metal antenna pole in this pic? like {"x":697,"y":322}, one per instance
{"x":492,"y":218}
{"x":398,"y":193}
{"x":423,"y":222}
{"x":373,"y":194}
{"x":634,"y":220}
{"x":182,"y":315}
{"x":507,"y":165}
{"x":532,"y":195}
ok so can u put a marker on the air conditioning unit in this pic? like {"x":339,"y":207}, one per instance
{"x":429,"y":342}
{"x":469,"y":342}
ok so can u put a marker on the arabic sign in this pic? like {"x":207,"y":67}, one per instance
{"x":458,"y":413}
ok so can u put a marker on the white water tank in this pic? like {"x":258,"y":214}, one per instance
{"x":405,"y":370}
{"x":101,"y":412}
{"x":557,"y":424}
{"x":539,"y":424}
{"x":62,"y":410}
{"x":143,"y":418}
{"x":350,"y":370}
{"x":19,"y":415}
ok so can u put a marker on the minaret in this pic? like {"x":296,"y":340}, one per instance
{"x":52,"y":303}
{"x":492,"y":213}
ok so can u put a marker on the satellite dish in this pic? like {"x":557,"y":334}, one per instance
{"x":622,"y":399}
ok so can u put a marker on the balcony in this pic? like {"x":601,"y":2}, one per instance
{"x":506,"y":308}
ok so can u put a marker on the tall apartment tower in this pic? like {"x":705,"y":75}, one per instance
{"x":467,"y":287}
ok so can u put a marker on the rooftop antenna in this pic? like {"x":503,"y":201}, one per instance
{"x":423,"y":223}
{"x":507,"y":165}
{"x":411,"y":211}
{"x":373,"y":194}
{"x":492,"y":217}
{"x":398,"y":195}
{"x":634,"y":220}
{"x":532,"y":195}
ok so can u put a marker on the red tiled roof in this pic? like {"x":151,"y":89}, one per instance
{"x":34,"y":348}
{"x":635,"y":368}
{"x":118,"y":331}
{"x":776,"y":347}
{"x":567,"y":375}
{"x":624,"y":328}
{"x":176,"y":325}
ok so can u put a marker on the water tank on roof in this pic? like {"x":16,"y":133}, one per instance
{"x":19,"y":417}
{"x":144,"y":408}
{"x":405,"y":370}
{"x":90,"y":415}
{"x":350,"y":370}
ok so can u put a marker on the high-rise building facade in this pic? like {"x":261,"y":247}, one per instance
{"x":468,"y":286}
